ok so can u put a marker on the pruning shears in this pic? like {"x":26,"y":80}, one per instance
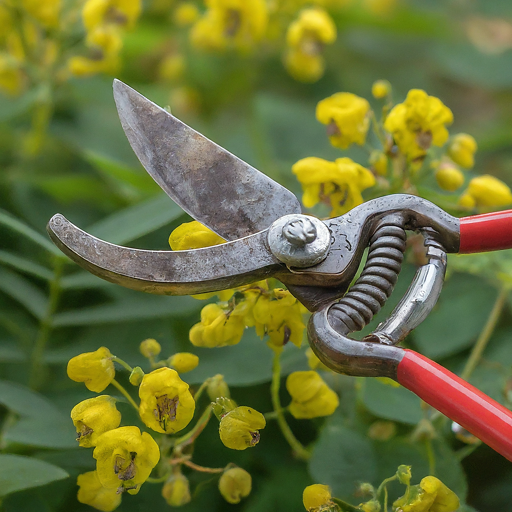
{"x":268,"y":236}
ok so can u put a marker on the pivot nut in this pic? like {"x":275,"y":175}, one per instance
{"x":299,"y":240}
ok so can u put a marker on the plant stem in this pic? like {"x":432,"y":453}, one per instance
{"x":431,"y":457}
{"x":190,"y":436}
{"x":202,"y":387}
{"x":122,"y":363}
{"x":45,"y":327}
{"x":299,"y":450}
{"x":202,"y":469}
{"x":382,"y":486}
{"x":485,"y":335}
{"x":126,"y":394}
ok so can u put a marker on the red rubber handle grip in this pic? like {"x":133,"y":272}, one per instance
{"x":476,"y":412}
{"x":487,"y":232}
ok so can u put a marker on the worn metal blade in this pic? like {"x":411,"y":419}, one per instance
{"x":210,"y":269}
{"x":212,"y":185}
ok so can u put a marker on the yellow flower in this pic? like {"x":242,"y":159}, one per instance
{"x":316,"y":496}
{"x":93,"y":417}
{"x":347,"y":118}
{"x":462,"y":150}
{"x":418,"y":122}
{"x":230,"y":24}
{"x":45,"y":11}
{"x":183,"y":362}
{"x":185,"y":14}
{"x":380,"y":7}
{"x":306,"y":37}
{"x":431,"y":495}
{"x":314,"y":363}
{"x":239,"y":428}
{"x":150,"y":348}
{"x":280,"y":317}
{"x":381,"y":89}
{"x":488,"y":192}
{"x":193,"y":235}
{"x":95,"y":369}
{"x":235,"y":484}
{"x":448,"y":177}
{"x":11,"y":78}
{"x":311,"y":396}
{"x":467,"y":201}
{"x":218,"y":327}
{"x":217,"y":388}
{"x":339,"y":183}
{"x":166,"y":404}
{"x":370,"y":506}
{"x":172,"y":67}
{"x":91,"y":492}
{"x":97,"y":13}
{"x":104,"y":45}
{"x":125,"y":458}
{"x":176,"y":491}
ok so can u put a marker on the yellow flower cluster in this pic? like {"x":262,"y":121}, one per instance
{"x":311,"y":396}
{"x":418,"y":123}
{"x":104,"y":21}
{"x":337,"y":183}
{"x":226,"y":24}
{"x":306,"y":38}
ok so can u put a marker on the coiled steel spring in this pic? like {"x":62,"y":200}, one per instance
{"x":376,"y":282}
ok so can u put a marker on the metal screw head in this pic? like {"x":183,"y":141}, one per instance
{"x":299,"y":232}
{"x":299,"y":240}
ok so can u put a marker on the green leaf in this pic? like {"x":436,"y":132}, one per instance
{"x":233,"y":362}
{"x":136,"y":221}
{"x":458,"y":318}
{"x":134,"y":306}
{"x":24,"y":265}
{"x":342,"y":458}
{"x":38,"y":422}
{"x":10,"y":352}
{"x":16,"y":225}
{"x":83,"y":280}
{"x":392,"y":403}
{"x":18,"y":473}
{"x":24,"y":292}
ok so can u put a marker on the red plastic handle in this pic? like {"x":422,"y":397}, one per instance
{"x":476,"y":412}
{"x":487,"y":232}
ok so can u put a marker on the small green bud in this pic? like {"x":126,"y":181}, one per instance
{"x":404,"y":474}
{"x":222,"y":406}
{"x":136,"y":376}
{"x":217,"y":388}
{"x":176,"y":490}
{"x":235,"y":484}
{"x":367,"y":489}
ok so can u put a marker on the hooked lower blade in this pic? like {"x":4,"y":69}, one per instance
{"x":209,"y":269}
{"x":214,"y":186}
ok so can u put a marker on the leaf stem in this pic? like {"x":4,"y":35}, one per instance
{"x":122,"y":363}
{"x":485,"y":335}
{"x":191,"y":436}
{"x":125,"y":394}
{"x":45,"y":328}
{"x":300,"y":451}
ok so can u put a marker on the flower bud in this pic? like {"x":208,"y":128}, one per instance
{"x":217,"y":388}
{"x":381,"y":89}
{"x":185,"y":14}
{"x":449,"y":178}
{"x":370,"y":506}
{"x":316,"y":496}
{"x":176,"y":491}
{"x":222,"y":406}
{"x":239,"y":428}
{"x":150,"y":348}
{"x":136,"y":376}
{"x":462,"y":149}
{"x":467,"y":201}
{"x":488,"y":191}
{"x":235,"y":484}
{"x":379,"y":162}
{"x":404,"y":474}
{"x":183,"y":362}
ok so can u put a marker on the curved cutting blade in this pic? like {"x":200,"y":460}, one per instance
{"x":212,"y":185}
{"x":210,"y":269}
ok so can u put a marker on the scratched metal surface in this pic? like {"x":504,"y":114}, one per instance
{"x":211,"y":184}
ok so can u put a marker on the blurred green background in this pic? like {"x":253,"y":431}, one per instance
{"x":62,"y":149}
